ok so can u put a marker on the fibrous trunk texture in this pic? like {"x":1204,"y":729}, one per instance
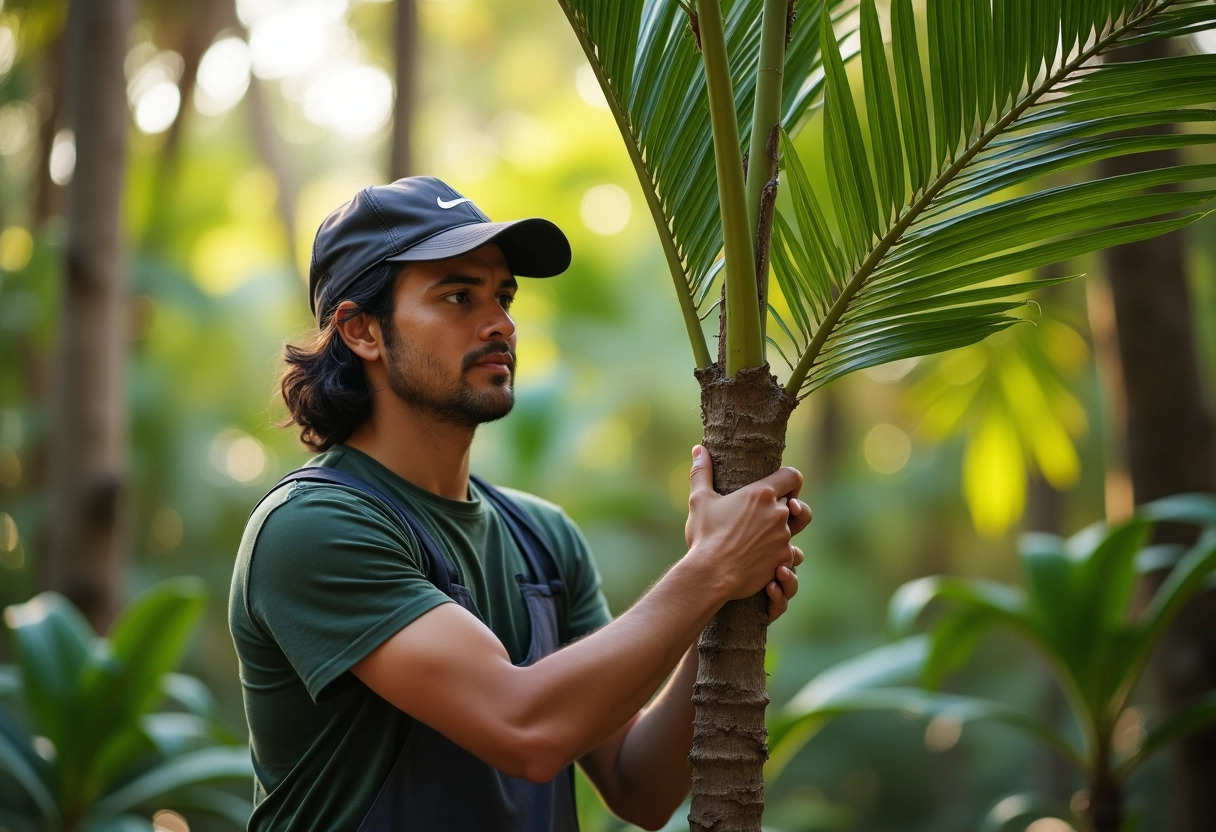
{"x":745,"y":420}
{"x":88,"y":480}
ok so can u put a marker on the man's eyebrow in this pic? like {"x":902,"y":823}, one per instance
{"x":456,"y":279}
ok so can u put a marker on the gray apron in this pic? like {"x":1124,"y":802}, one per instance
{"x":435,"y":785}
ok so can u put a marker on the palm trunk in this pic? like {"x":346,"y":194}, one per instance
{"x":745,"y":420}
{"x":88,"y":479}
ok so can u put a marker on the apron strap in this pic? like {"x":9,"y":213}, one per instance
{"x":524,"y":530}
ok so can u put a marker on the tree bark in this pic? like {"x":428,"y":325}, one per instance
{"x":1171,"y":448}
{"x":405,"y":48}
{"x":745,"y":421}
{"x":88,"y":479}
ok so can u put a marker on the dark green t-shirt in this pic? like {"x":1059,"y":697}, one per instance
{"x":325,"y":575}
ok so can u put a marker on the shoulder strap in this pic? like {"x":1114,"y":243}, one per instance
{"x":440,"y":572}
{"x":526,"y":534}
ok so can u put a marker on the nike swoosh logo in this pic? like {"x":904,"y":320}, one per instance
{"x":445,"y":204}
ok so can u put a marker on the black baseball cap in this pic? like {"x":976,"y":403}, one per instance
{"x":415,"y":219}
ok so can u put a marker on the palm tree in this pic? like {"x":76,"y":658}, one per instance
{"x":933,"y":203}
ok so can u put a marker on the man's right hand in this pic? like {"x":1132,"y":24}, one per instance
{"x":743,"y":537}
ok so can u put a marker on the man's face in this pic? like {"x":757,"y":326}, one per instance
{"x":451,"y":350}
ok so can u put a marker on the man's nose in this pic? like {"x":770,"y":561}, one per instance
{"x":498,"y":325}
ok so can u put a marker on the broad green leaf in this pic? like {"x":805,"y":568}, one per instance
{"x":191,"y":769}
{"x":19,"y":760}
{"x":1005,"y":603}
{"x":52,"y":641}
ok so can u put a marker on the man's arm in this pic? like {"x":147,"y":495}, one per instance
{"x":450,"y":671}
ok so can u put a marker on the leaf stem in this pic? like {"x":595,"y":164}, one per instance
{"x":675,"y":264}
{"x":744,"y":341}
{"x":766,"y":115}
{"x":888,"y":240}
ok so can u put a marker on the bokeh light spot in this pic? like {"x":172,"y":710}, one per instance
{"x":63,"y":157}
{"x":167,"y":820}
{"x":589,"y":89}
{"x":16,"y":248}
{"x":8,"y":532}
{"x":10,"y":467}
{"x":943,"y":733}
{"x":223,"y":76}
{"x":1049,"y":825}
{"x":8,"y":49}
{"x":238,"y":455}
{"x":18,"y":123}
{"x":166,"y":529}
{"x":355,"y":100}
{"x":157,"y":107}
{"x":887,"y":449}
{"x":605,"y":209}
{"x":604,"y":444}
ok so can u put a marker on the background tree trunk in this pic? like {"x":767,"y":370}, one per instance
{"x":745,"y":421}
{"x":1170,"y":448}
{"x":88,"y":479}
{"x":405,"y":47}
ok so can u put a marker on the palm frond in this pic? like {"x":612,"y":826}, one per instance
{"x":897,"y":255}
{"x":644,"y":55}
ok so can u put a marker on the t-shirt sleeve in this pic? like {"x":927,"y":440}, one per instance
{"x":333,"y":576}
{"x":587,"y":608}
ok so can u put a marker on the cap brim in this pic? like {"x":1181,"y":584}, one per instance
{"x":533,"y":247}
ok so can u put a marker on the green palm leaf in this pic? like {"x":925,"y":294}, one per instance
{"x":1020,"y":96}
{"x":644,"y":54}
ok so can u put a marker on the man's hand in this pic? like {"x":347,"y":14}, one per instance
{"x":746,"y":535}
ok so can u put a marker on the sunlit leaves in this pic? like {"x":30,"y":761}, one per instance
{"x":1011,"y":396}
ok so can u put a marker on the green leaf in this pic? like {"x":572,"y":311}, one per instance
{"x":802,"y":717}
{"x":848,"y":168}
{"x":913,"y":110}
{"x":1020,"y":95}
{"x":191,"y":769}
{"x":880,"y":113}
{"x":52,"y":641}
{"x":146,"y":643}
{"x":31,"y":772}
{"x":1004,"y":603}
{"x":645,"y":60}
{"x":236,"y":810}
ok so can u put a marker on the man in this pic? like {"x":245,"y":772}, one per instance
{"x":397,"y":623}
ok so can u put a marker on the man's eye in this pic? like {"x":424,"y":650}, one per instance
{"x":457,"y":297}
{"x":506,"y":300}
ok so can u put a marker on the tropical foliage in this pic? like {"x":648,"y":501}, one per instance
{"x":945,"y":186}
{"x":1074,"y":610}
{"x":83,"y":742}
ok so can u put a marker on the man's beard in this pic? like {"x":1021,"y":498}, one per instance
{"x":414,"y":378}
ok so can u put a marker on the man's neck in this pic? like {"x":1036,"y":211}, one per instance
{"x":415,"y":446}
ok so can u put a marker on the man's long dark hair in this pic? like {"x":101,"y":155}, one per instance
{"x":324,"y":386}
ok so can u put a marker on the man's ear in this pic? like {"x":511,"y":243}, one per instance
{"x":360,"y":331}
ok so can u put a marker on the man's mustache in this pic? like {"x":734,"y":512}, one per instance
{"x":496,"y":348}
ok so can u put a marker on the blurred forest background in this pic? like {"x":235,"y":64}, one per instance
{"x":247,"y":122}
